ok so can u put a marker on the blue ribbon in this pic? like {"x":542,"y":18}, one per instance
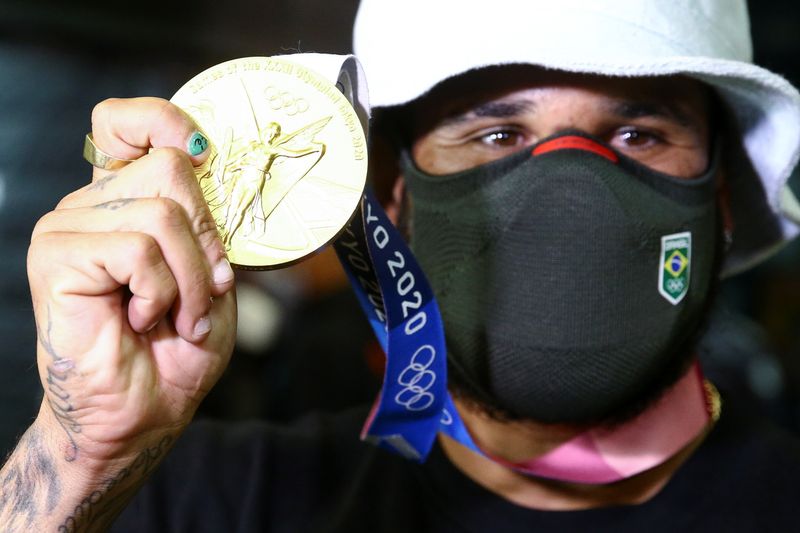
{"x":414,"y":403}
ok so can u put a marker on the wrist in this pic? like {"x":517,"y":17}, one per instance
{"x":86,"y":466}
{"x":83,"y":494}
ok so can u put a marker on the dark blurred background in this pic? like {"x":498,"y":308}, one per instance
{"x":302,"y":343}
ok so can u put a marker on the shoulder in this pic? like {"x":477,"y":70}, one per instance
{"x":743,"y":477}
{"x":753,"y":443}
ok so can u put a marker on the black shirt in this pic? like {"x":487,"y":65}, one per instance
{"x":317,"y":476}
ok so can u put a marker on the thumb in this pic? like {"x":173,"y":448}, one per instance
{"x":129,"y":128}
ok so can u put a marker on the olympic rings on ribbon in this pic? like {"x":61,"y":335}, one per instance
{"x":416,"y":379}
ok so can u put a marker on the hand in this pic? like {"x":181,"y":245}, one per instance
{"x":123,"y":273}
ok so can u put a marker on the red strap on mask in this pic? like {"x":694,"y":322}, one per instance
{"x":574,"y":142}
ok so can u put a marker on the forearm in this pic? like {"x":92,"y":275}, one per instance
{"x":41,"y":491}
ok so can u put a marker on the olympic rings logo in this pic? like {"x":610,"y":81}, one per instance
{"x":416,"y":379}
{"x":675,"y":285}
{"x":278,"y":100}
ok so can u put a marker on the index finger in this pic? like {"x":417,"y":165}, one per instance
{"x":129,"y":128}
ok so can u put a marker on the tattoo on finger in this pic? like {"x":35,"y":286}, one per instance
{"x":113,"y":205}
{"x":100,"y":184}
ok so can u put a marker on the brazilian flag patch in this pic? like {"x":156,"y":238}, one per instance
{"x":673,"y":273}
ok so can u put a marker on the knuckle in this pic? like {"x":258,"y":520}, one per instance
{"x":166,"y":109}
{"x":41,"y":252}
{"x":39,"y":246}
{"x":168,"y":213}
{"x":172,"y":162}
{"x":205,"y":228}
{"x":42,"y":226}
{"x":102,"y":111}
{"x":144,"y":250}
{"x":68,"y":201}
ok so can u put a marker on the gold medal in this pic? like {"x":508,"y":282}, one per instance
{"x":287,"y":163}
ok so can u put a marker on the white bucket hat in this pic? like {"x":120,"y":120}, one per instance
{"x":408,"y":47}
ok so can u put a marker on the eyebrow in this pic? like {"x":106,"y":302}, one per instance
{"x":628,"y":109}
{"x":633,"y":109}
{"x":503,"y":109}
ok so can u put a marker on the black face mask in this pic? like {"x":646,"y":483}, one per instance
{"x":567,"y":275}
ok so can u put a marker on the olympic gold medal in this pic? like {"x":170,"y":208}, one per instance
{"x":287,"y":163}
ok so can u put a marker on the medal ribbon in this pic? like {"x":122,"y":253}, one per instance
{"x":414,"y":404}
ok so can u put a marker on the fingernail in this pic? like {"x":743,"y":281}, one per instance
{"x":197,"y":143}
{"x":202,"y":327}
{"x":222,"y":272}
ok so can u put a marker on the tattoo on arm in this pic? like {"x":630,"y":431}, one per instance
{"x":30,"y":489}
{"x":57,"y":396}
{"x":101,"y":507}
{"x":29,"y":484}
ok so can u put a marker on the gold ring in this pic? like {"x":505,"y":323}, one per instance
{"x":99,"y":158}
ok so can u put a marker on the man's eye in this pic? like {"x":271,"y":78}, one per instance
{"x":636,"y":138}
{"x":503,"y":139}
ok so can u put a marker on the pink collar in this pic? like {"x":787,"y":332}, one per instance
{"x":600,"y":456}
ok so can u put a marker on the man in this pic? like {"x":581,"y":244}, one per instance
{"x":570,"y":175}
